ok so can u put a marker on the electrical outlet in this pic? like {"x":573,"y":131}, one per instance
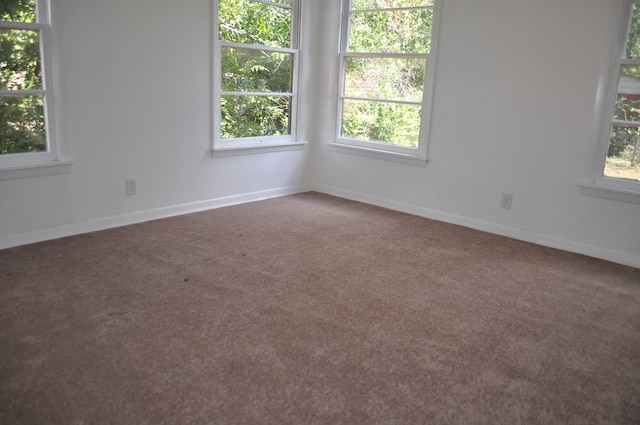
{"x":507,"y":199}
{"x":130,"y":185}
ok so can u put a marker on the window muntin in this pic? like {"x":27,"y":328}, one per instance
{"x":255,"y":64}
{"x":25,"y":136}
{"x":622,"y":159}
{"x":386,"y":62}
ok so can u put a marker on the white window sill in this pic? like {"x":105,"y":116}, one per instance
{"x":611,"y":193}
{"x":225,"y":151}
{"x":377,"y":154}
{"x":35,"y":170}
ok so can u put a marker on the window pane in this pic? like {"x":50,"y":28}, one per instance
{"x":22,"y":125}
{"x":623,"y":157}
{"x":385,"y":4}
{"x":248,"y":22}
{"x":385,"y":78}
{"x":256,"y":70}
{"x":255,"y":116}
{"x":18,"y":10}
{"x":628,"y":101}
{"x":406,"y":31}
{"x":20,"y":60}
{"x":392,"y":123}
{"x":633,"y":42}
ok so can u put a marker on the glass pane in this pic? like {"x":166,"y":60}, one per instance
{"x":385,"y":4}
{"x":248,"y":22}
{"x":18,"y":10}
{"x":255,"y":116}
{"x":385,"y":78}
{"x":20,"y":60}
{"x":256,"y":70}
{"x":623,"y":157}
{"x":628,"y":101}
{"x":633,"y":41}
{"x":285,"y":2}
{"x":406,"y":31}
{"x":392,"y":123}
{"x":22,"y":126}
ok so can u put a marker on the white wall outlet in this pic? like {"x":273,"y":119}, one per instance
{"x":130,"y":185}
{"x":507,"y":199}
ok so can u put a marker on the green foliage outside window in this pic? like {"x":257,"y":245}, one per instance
{"x":633,"y":41}
{"x":623,"y":155}
{"x":386,"y":79}
{"x":18,"y":10}
{"x":22,"y":121}
{"x":255,"y":70}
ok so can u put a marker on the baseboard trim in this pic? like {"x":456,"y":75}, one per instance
{"x":104,"y":223}
{"x":485,"y":226}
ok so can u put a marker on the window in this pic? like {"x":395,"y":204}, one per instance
{"x":387,"y":62}
{"x":26,"y":135}
{"x":619,"y":166}
{"x":255,"y":72}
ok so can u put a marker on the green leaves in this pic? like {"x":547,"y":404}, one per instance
{"x":249,"y":22}
{"x":385,"y":122}
{"x":385,"y":78}
{"x":22,"y":121}
{"x":18,"y":10}
{"x":633,"y":42}
{"x":22,"y":126}
{"x":255,"y":116}
{"x":385,"y":67}
{"x":391,"y":31}
{"x":20,"y":67}
{"x":251,"y":75}
{"x":253,"y":70}
{"x":382,"y":4}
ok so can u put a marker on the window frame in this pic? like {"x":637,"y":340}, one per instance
{"x":618,"y":188}
{"x":16,"y":165}
{"x":375,"y":149}
{"x":246,"y":145}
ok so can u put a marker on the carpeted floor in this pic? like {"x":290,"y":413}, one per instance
{"x":309,"y":309}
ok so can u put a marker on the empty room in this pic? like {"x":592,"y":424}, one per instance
{"x":319,"y":212}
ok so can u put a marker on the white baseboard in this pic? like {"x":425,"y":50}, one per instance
{"x":485,"y":226}
{"x":142,"y":216}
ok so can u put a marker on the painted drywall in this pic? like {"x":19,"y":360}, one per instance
{"x":133,"y":101}
{"x":515,"y":93}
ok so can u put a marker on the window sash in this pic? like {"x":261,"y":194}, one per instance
{"x":43,"y":26}
{"x":617,"y":63}
{"x":224,"y":143}
{"x":421,"y":149}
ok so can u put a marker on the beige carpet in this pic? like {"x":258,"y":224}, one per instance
{"x":310,"y":309}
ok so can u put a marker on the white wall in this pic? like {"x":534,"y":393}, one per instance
{"x":513,"y":112}
{"x":133,"y":101}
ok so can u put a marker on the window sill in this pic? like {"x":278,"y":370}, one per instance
{"x":377,"y":154}
{"x":611,"y":193}
{"x":225,"y":151}
{"x":35,"y":170}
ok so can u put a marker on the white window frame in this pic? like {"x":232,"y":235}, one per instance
{"x":603,"y":186}
{"x":19,"y":165}
{"x":414,"y":156}
{"x":244,"y":145}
